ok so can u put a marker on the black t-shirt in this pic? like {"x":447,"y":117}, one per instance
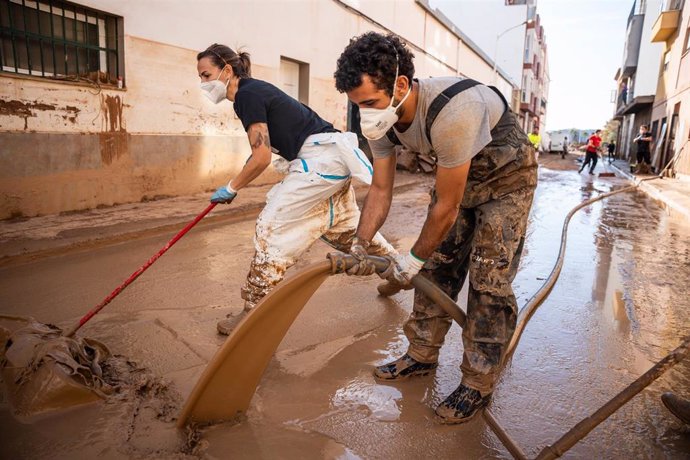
{"x":643,"y":146}
{"x":289,"y":121}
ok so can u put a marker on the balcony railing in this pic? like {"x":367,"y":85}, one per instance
{"x":670,"y":5}
{"x":667,"y":22}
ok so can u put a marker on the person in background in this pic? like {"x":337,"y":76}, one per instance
{"x":314,"y":200}
{"x":643,"y":141}
{"x":592,"y":152}
{"x":612,"y":151}
{"x":535,"y":137}
{"x":565,"y":147}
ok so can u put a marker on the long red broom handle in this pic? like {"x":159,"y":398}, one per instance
{"x":136,"y":274}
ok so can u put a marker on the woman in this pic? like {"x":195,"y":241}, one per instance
{"x":315,"y":199}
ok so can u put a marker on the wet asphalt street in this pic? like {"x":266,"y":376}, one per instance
{"x":620,"y":305}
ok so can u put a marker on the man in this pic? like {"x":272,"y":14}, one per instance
{"x":535,"y":137}
{"x":485,"y":180}
{"x":643,"y":142}
{"x":592,"y":152}
{"x":564,"y":152}
{"x":612,"y":150}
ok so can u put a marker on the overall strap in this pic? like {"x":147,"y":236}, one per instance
{"x":442,"y":99}
{"x":390,"y":134}
{"x":440,"y":102}
{"x":500,"y":94}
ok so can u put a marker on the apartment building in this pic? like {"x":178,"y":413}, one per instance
{"x":535,"y":75}
{"x":637,"y":76}
{"x":670,"y":118}
{"x":100,"y":101}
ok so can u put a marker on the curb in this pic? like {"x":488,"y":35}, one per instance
{"x":24,"y":251}
{"x":655,"y":193}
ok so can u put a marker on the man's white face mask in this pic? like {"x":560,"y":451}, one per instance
{"x":376,"y":122}
{"x":215,"y":90}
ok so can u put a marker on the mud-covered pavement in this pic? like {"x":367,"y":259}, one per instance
{"x":621,"y":304}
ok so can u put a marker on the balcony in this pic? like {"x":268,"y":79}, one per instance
{"x":529,"y":108}
{"x":637,"y":104}
{"x":667,"y":22}
{"x":631,"y":50}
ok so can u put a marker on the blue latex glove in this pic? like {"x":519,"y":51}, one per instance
{"x":223,"y":195}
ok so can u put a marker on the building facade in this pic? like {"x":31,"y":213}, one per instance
{"x":636,"y":78}
{"x":100,"y":102}
{"x":535,"y":75}
{"x":670,"y":123}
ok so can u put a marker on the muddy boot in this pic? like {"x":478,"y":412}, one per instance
{"x":461,"y":405}
{"x":227,"y":325}
{"x":403,"y":368}
{"x":677,"y":406}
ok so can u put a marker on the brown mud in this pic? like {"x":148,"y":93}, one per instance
{"x":45,"y":371}
{"x":619,"y":305}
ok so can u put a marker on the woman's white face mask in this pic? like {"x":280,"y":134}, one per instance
{"x":215,"y":90}
{"x":375,"y":123}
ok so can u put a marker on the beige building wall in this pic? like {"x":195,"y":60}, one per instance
{"x":671,"y":111}
{"x":73,"y":146}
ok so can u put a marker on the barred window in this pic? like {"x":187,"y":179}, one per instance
{"x":61,"y":40}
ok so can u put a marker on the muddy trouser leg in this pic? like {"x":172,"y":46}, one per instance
{"x":491,"y":307}
{"x":595,"y":157}
{"x":585,"y":163}
{"x":286,"y":228}
{"x":428,"y":324}
{"x":342,"y":228}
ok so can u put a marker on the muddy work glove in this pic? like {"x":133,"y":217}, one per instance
{"x":402,"y":269}
{"x":358,"y":250}
{"x":224,"y":194}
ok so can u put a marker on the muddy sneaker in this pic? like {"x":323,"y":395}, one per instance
{"x":227,"y":325}
{"x":677,"y":406}
{"x":461,"y":405}
{"x":403,"y":368}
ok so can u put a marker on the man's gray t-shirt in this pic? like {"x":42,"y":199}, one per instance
{"x":461,"y":129}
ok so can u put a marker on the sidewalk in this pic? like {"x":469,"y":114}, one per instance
{"x":674,"y":193}
{"x":32,"y":238}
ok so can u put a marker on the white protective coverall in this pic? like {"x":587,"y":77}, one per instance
{"x":315,"y":200}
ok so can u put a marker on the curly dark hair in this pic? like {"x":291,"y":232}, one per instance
{"x":373,"y":54}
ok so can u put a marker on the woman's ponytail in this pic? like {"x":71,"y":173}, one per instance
{"x":222,"y":55}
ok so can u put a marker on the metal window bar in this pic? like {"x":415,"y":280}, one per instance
{"x":52,"y":34}
{"x":40,"y":40}
{"x":76,"y":38}
{"x":10,"y":19}
{"x":56,"y":39}
{"x":86,"y":37}
{"x":64,"y":44}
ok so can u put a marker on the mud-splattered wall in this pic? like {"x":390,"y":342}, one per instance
{"x":66,"y":146}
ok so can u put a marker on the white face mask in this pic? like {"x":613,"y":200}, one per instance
{"x":215,"y":90}
{"x":376,"y":122}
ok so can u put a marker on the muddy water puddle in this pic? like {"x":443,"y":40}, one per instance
{"x":620,"y":305}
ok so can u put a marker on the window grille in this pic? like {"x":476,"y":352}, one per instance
{"x":61,"y":40}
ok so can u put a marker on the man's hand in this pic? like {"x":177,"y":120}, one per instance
{"x":402,"y":269}
{"x":358,"y":250}
{"x":223,"y":195}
